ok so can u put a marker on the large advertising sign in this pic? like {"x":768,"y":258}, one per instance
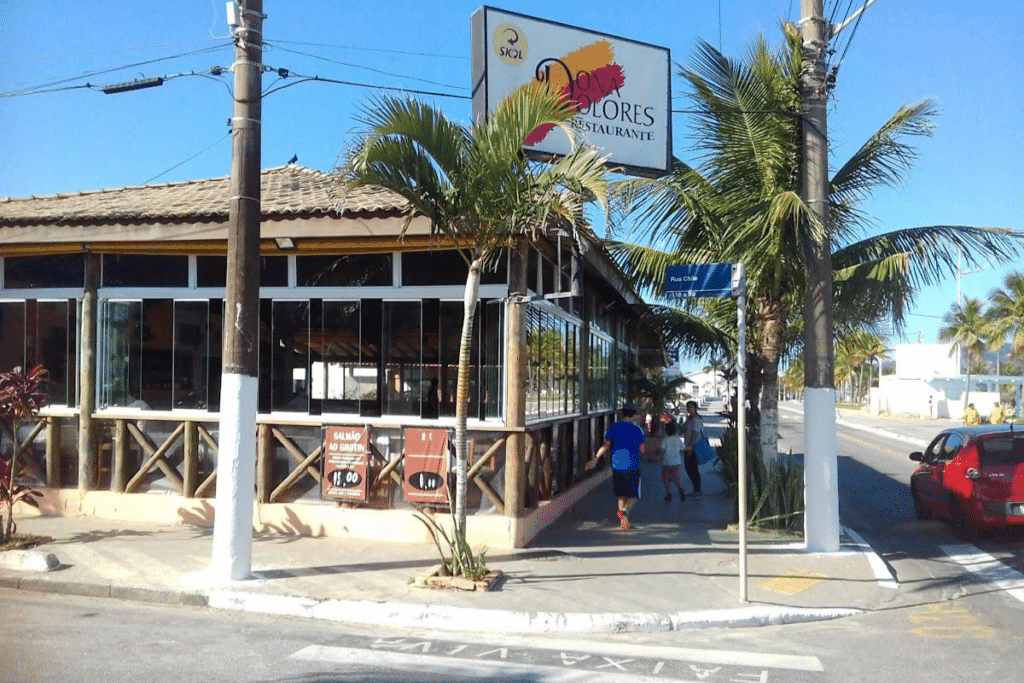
{"x":426,"y":466}
{"x":620,"y":89}
{"x":345,"y":459}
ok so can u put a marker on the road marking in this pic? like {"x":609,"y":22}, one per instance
{"x":599,"y":649}
{"x":792,"y":582}
{"x":881,"y":570}
{"x":491,"y":669}
{"x":949,"y":621}
{"x":987,"y":568}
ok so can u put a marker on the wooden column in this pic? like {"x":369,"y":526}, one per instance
{"x":515,"y":380}
{"x":264,"y":463}
{"x":119,"y":475}
{"x":87,"y":427}
{"x":53,"y":452}
{"x":190,"y":466}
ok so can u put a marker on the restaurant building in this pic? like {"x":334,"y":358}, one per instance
{"x":120,"y":294}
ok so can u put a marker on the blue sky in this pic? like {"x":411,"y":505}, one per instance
{"x":965,"y":56}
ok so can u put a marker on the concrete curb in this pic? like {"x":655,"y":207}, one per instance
{"x":498,"y":621}
{"x":97,"y":590}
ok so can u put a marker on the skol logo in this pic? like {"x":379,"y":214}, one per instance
{"x":510,"y":44}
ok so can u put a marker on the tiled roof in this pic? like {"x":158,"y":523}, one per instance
{"x":290,"y":190}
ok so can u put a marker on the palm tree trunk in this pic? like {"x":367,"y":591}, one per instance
{"x":472,"y":294}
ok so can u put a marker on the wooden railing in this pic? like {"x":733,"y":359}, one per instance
{"x":185,"y":457}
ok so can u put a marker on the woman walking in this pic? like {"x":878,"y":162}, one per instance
{"x":693,"y":429}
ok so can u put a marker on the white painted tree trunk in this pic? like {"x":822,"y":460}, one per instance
{"x":821,"y":480}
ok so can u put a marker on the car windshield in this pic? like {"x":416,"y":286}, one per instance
{"x":1005,"y":449}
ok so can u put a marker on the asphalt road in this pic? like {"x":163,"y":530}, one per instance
{"x":952,"y":619}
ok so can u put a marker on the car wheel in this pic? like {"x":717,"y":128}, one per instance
{"x":962,"y":525}
{"x":919,"y":509}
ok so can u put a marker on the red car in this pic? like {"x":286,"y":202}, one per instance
{"x":972,"y":477}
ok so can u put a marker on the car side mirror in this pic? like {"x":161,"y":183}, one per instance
{"x":917,"y":456}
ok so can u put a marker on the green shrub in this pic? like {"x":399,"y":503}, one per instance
{"x":775,"y":493}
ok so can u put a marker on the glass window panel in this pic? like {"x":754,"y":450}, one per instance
{"x":347,"y":270}
{"x":12,"y":335}
{"x":369,"y":370}
{"x":55,"y":348}
{"x":120,"y":366}
{"x":403,"y":367}
{"x":492,"y":361}
{"x":131,"y":270}
{"x":57,"y":270}
{"x":157,"y":341}
{"x":436,"y":267}
{"x":450,"y":338}
{"x":290,"y":370}
{"x":211,"y":271}
{"x":191,"y":353}
{"x":335,"y":376}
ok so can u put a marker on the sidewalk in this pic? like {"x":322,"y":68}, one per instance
{"x":676,"y":569}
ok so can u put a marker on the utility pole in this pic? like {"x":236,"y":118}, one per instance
{"x":821,"y":492}
{"x":236,"y":466}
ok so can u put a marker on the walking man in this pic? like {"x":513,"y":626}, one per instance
{"x":623,"y":440}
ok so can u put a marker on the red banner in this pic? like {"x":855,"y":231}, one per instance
{"x":345,"y":464}
{"x":426,"y":466}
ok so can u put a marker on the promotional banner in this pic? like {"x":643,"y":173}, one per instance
{"x":345,"y":475}
{"x":619,"y":88}
{"x":426,"y":466}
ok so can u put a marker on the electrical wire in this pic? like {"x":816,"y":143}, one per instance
{"x":306,"y":79}
{"x":369,"y":68}
{"x":29,"y":90}
{"x":185,"y":161}
{"x":370,"y":49}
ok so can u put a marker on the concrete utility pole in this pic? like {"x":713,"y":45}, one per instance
{"x":821,"y":481}
{"x":236,"y":466}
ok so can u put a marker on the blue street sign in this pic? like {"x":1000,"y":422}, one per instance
{"x":699,"y":280}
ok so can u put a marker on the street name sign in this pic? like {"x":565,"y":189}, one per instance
{"x":699,"y":280}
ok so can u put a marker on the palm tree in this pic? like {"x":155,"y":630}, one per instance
{"x":659,"y":390}
{"x":717,"y":367}
{"x":744,"y":205}
{"x":1006,"y":314}
{"x":478,"y":189}
{"x":964,"y":325}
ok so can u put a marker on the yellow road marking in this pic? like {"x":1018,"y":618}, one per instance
{"x":948,"y":621}
{"x":792,"y":582}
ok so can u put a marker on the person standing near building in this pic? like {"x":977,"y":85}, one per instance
{"x":997,"y":416}
{"x":971,"y":416}
{"x":623,"y":440}
{"x":693,"y":429}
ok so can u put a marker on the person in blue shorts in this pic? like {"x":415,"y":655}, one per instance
{"x":623,"y":440}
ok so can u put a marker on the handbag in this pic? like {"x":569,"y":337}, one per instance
{"x":703,"y":450}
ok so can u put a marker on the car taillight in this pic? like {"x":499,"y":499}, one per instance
{"x":972,"y":473}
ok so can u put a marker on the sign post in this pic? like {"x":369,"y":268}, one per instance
{"x":716,"y":280}
{"x":426,"y":466}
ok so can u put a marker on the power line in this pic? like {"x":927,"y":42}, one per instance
{"x":369,"y":68}
{"x":371,"y":49}
{"x":336,"y":81}
{"x":185,"y":161}
{"x":30,"y":89}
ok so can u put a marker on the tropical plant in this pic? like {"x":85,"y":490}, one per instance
{"x":1006,"y":314}
{"x":460,"y":560}
{"x":964,"y":325}
{"x":775,"y":489}
{"x":719,"y":369}
{"x":479,"y":191}
{"x":20,"y":403}
{"x":659,"y":390}
{"x":743,"y":204}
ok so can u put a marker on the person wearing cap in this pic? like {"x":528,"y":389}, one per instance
{"x":623,"y":440}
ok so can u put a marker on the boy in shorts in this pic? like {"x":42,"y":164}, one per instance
{"x":623,"y":440}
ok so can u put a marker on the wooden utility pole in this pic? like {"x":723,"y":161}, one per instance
{"x":232,"y":530}
{"x":87,"y":450}
{"x":821,"y":517}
